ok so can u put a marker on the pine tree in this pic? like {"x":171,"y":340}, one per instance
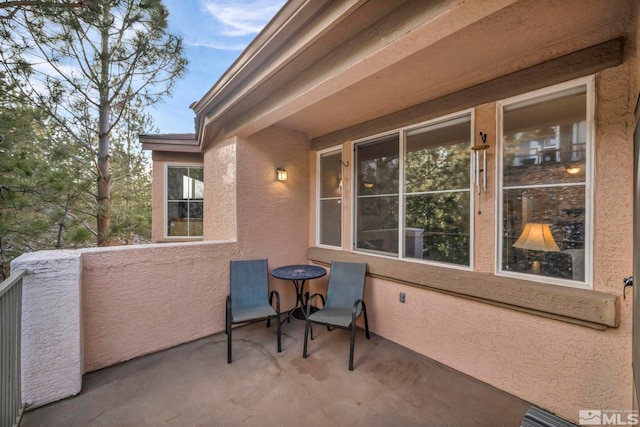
{"x":78,"y":65}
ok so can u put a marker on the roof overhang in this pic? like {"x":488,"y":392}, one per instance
{"x":321,"y":67}
{"x":174,"y":142}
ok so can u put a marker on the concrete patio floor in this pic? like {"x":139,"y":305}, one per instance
{"x":192,"y":385}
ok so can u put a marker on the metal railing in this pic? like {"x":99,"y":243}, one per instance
{"x":10,"y":329}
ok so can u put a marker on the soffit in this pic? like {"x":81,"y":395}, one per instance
{"x":382,"y":59}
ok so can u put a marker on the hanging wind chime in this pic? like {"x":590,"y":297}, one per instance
{"x":479,"y":166}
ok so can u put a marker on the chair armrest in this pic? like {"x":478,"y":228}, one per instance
{"x":309,"y":302}
{"x":277,"y":295}
{"x":355,"y":306}
{"x":317,"y":295}
{"x":354,"y":313}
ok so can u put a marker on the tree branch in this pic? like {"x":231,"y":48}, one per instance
{"x":25,"y":3}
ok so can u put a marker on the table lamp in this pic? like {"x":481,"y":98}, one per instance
{"x":536,"y":237}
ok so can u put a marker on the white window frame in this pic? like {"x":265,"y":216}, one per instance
{"x":589,"y":185}
{"x":165,"y":214}
{"x":332,"y":150}
{"x":401,"y":193}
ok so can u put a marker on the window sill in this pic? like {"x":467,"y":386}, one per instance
{"x":178,"y":239}
{"x":584,"y":307}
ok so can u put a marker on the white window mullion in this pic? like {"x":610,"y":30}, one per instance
{"x":401,"y":201}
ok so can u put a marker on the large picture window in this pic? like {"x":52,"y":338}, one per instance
{"x":413,"y":192}
{"x":330,"y":198}
{"x":185,"y":193}
{"x":546,"y":143}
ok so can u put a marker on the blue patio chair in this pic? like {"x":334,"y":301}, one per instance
{"x":250,"y":300}
{"x":344,"y":303}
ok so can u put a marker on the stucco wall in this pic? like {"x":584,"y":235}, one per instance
{"x":273,"y":216}
{"x":51,"y":365}
{"x":559,"y":366}
{"x":160,"y":160}
{"x":141,"y":299}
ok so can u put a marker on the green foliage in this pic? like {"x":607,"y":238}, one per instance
{"x":46,"y":191}
{"x":445,"y":215}
{"x":34,"y":183}
{"x":86,"y":69}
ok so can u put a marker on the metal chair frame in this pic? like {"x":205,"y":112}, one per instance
{"x":229,"y":321}
{"x":359,"y":307}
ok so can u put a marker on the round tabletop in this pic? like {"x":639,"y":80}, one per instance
{"x":299,"y":272}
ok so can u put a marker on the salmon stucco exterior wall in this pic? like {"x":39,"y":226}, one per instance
{"x":137,"y":300}
{"x":160,"y":161}
{"x":141,"y":299}
{"x":273,"y":216}
{"x":559,"y":366}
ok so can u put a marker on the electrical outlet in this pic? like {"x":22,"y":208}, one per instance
{"x":403,"y":297}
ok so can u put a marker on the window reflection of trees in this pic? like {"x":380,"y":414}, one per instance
{"x":436,"y":189}
{"x":444,"y":216}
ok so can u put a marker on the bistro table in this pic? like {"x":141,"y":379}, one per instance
{"x":298,"y":274}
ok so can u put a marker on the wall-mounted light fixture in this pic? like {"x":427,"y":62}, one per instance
{"x":281,"y":174}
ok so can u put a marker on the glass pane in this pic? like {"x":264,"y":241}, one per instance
{"x":331,"y":222}
{"x":176,"y":219}
{"x":378,"y":166}
{"x":331,"y":175}
{"x":196,"y":183}
{"x":175,"y":180}
{"x":195,"y":227}
{"x":559,"y":252}
{"x":377,"y":220}
{"x":195,"y":210}
{"x":437,"y":227}
{"x":545,"y":139}
{"x":438,"y":156}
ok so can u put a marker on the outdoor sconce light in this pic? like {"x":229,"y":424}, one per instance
{"x":281,"y":174}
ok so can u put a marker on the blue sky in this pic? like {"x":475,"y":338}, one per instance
{"x":214,"y":33}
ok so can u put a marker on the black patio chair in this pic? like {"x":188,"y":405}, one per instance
{"x":344,"y":303}
{"x":250,"y":300}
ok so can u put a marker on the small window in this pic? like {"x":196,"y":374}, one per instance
{"x":330,"y":198}
{"x":185,"y":193}
{"x":545,"y":188}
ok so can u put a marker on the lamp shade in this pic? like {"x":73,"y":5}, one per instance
{"x":537,"y":237}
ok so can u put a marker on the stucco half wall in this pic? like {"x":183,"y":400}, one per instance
{"x":51,"y":367}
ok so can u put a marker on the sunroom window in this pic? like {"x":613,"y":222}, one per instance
{"x":330,"y":198}
{"x":545,"y":216}
{"x":185,"y":193}
{"x":413,"y":192}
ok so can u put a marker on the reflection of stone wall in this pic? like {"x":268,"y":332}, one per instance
{"x":543,"y":173}
{"x":563,"y":208}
